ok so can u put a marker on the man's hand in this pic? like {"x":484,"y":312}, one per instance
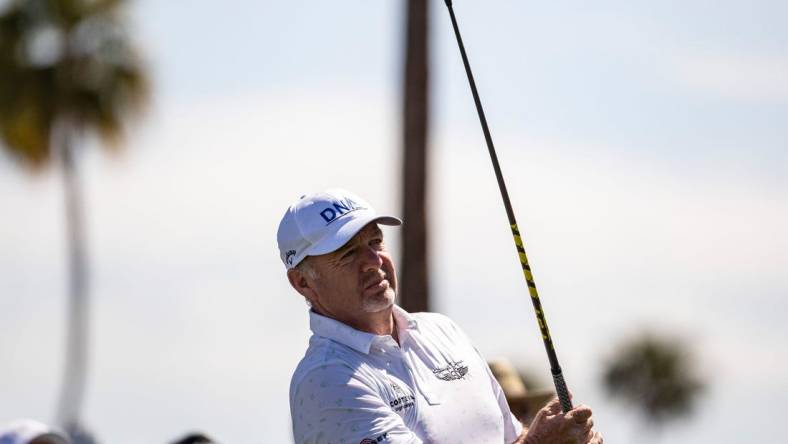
{"x":552,"y":426}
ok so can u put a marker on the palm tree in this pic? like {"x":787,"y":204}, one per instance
{"x":414,"y":288}
{"x":67,"y":69}
{"x":656,"y":376}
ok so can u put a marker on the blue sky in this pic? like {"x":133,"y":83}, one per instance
{"x":643,"y":144}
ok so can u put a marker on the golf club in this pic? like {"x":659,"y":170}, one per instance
{"x":555,"y":368}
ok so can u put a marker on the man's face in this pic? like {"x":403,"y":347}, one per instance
{"x":355,"y":280}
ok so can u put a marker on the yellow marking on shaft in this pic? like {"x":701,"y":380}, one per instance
{"x":529,"y":278}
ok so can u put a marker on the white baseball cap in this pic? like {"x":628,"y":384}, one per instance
{"x":23,"y":431}
{"x":322,"y":222}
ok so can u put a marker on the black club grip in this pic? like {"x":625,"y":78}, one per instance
{"x":562,"y":391}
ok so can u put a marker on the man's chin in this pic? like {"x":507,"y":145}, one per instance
{"x":378,"y":302}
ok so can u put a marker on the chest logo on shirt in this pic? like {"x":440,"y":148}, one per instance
{"x":452,"y":372}
{"x":402,"y":400}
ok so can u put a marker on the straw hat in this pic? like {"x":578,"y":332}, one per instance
{"x":523,"y":403}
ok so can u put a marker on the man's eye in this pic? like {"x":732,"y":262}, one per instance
{"x":348,"y":254}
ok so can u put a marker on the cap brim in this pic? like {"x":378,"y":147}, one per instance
{"x":335,"y":240}
{"x":388,"y":220}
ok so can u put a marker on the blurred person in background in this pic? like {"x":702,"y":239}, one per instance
{"x":194,"y":438}
{"x":374,"y":373}
{"x":28,"y":431}
{"x":523,"y":402}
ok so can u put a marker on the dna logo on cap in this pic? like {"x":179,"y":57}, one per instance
{"x":322,"y":222}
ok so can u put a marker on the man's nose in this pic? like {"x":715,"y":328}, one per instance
{"x":371,"y":259}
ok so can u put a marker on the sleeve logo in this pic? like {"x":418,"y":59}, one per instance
{"x":381,"y":438}
{"x":402,"y":400}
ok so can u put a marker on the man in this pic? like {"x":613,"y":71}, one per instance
{"x":374,"y":373}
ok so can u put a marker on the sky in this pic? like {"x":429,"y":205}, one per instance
{"x":644,"y":146}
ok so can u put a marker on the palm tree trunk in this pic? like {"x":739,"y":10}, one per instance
{"x":76,"y":356}
{"x":414,"y":287}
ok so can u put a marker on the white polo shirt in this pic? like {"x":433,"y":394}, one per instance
{"x":354,"y":387}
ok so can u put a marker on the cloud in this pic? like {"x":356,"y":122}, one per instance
{"x":189,"y":291}
{"x":614,"y":243}
{"x":187,"y":285}
{"x":749,"y":77}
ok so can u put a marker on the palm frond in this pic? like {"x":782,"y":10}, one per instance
{"x":95,"y":80}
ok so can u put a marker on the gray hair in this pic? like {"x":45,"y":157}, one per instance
{"x":305,"y":267}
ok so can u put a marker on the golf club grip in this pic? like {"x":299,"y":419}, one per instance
{"x":562,"y":391}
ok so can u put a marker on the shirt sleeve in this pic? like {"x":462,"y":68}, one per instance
{"x":512,"y":426}
{"x":333,"y":405}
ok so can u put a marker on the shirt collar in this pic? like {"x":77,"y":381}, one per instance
{"x":404,"y":320}
{"x":358,"y":340}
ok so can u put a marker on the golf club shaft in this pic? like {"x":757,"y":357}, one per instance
{"x":555,"y":368}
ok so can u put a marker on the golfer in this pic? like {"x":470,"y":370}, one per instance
{"x":374,"y":373}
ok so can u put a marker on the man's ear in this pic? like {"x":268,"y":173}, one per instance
{"x":299,"y":281}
